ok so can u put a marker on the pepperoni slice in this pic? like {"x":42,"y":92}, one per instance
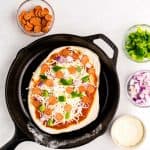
{"x":44,"y":22}
{"x":75,"y":55}
{"x":91,"y":71}
{"x":37,"y":91}
{"x":48,"y":17}
{"x":59,"y":74}
{"x":69,"y":90}
{"x":31,"y":12}
{"x":86,"y":99}
{"x":90,"y":89}
{"x":27,"y":16}
{"x":82,"y":88}
{"x":36,"y":21}
{"x":52,"y":100}
{"x":67,"y":107}
{"x":65,"y":52}
{"x":48,"y":111}
{"x":38,"y":7}
{"x":72,"y":69}
{"x":59,"y":116}
{"x":44,"y":68}
{"x":23,"y":22}
{"x":53,"y":56}
{"x":27,"y":28}
{"x":37,"y":29}
{"x":44,"y":12}
{"x":84,"y":59}
{"x":49,"y":82}
{"x":36,"y":103}
{"x":29,"y":25}
{"x":21,"y":16}
{"x":37,"y":82}
{"x":38,"y":114}
{"x":45,"y":29}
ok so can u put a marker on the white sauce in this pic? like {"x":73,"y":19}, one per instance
{"x":127,"y":131}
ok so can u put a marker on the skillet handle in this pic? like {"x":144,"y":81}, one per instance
{"x":108,"y":41}
{"x":15,"y":140}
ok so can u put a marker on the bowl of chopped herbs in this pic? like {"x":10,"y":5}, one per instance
{"x":137,"y":43}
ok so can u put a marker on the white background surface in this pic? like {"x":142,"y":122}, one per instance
{"x":82,"y":17}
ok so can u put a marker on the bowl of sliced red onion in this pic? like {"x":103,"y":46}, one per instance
{"x":138,"y":88}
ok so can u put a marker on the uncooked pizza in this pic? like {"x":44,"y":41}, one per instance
{"x":63,"y":92}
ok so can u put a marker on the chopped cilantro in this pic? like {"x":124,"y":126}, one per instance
{"x":137,"y":44}
{"x":75,"y":94}
{"x":43,"y":77}
{"x":67,"y":115}
{"x":42,"y":108}
{"x":85,"y":78}
{"x":57,"y":68}
{"x":61,"y":98}
{"x":45,"y":93}
{"x":66,"y":82}
{"x":50,"y":122}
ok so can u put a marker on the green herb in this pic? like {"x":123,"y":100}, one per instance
{"x":61,"y":98}
{"x":85,"y":78}
{"x":137,"y":44}
{"x":66,"y":82}
{"x":45,"y":93}
{"x":75,"y":94}
{"x":57,"y":68}
{"x":43,"y":77}
{"x":67,"y":115}
{"x":50,"y":122}
{"x":42,"y":108}
{"x":79,"y":68}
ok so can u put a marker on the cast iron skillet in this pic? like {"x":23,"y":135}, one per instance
{"x":20,"y":74}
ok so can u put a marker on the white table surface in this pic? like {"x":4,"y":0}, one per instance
{"x":82,"y":17}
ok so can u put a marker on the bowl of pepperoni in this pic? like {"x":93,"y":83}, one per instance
{"x":35,"y":17}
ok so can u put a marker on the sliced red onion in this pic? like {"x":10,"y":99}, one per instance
{"x":61,"y":59}
{"x":58,"y":58}
{"x":37,"y":98}
{"x":139,"y":88}
{"x":40,"y":84}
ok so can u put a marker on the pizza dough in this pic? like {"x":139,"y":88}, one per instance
{"x":63,"y":92}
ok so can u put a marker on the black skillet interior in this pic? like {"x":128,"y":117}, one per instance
{"x":19,"y":77}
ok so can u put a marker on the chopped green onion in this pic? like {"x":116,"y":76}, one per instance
{"x":75,"y":94}
{"x":66,"y":82}
{"x":50,"y":122}
{"x":43,"y":77}
{"x":61,"y":98}
{"x":57,"y":68}
{"x":42,"y":108}
{"x":45,"y":93}
{"x":85,"y":78}
{"x":67,"y":115}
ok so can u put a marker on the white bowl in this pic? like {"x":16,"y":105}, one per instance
{"x":127,"y":131}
